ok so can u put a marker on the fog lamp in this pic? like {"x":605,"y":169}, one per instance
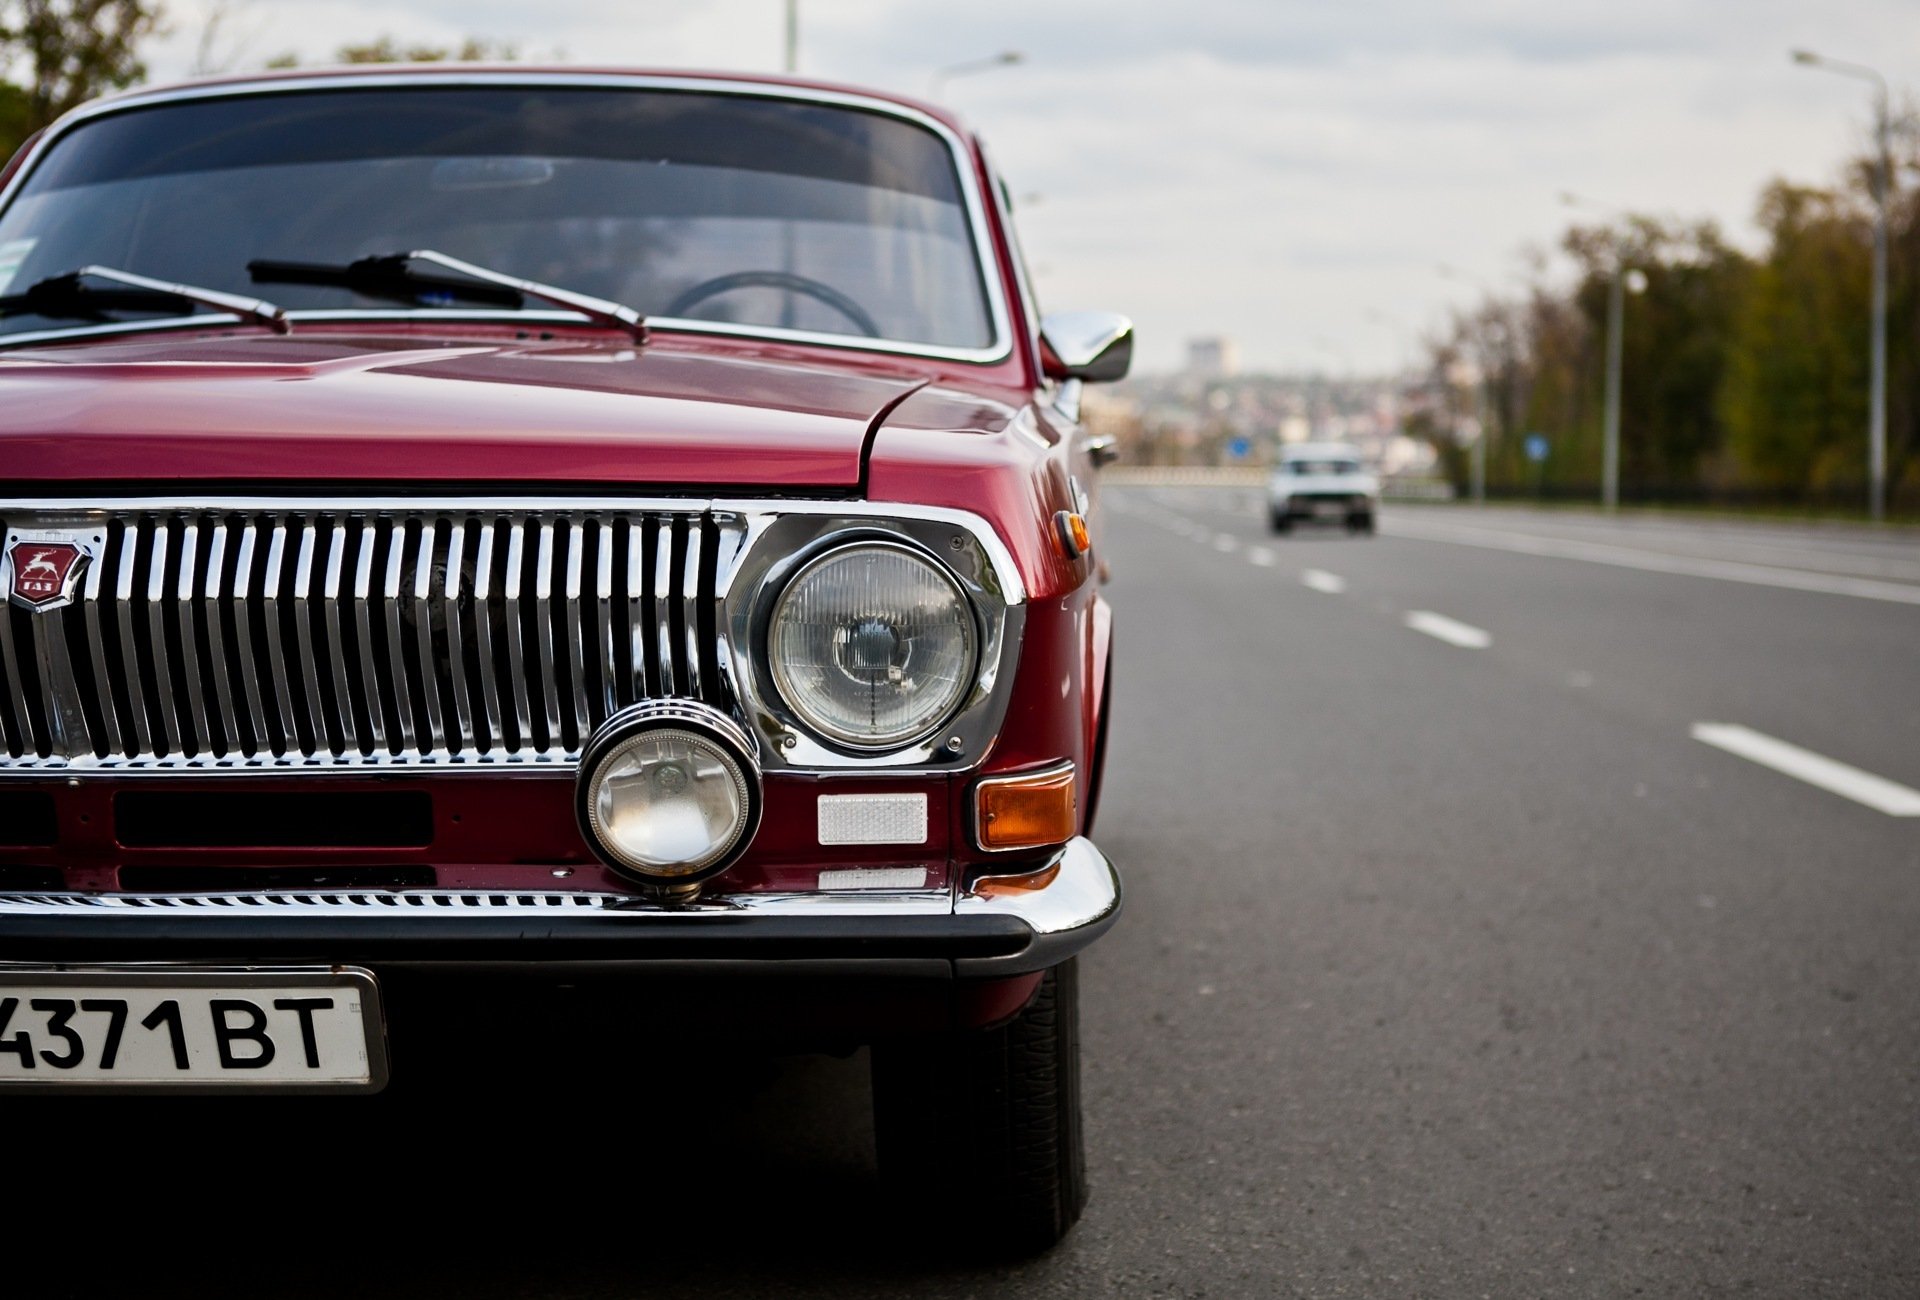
{"x":669,"y":792}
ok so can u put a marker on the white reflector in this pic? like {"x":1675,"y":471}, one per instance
{"x":873,"y":819}
{"x":875,"y":878}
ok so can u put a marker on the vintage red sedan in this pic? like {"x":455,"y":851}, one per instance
{"x":567,"y":530}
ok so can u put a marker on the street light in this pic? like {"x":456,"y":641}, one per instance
{"x":1882,"y":184}
{"x":1482,"y":389}
{"x":1004,"y":59}
{"x":793,"y":36}
{"x":1625,"y":280}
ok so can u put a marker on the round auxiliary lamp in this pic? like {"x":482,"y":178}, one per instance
{"x":669,"y":793}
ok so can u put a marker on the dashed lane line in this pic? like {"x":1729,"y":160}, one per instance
{"x":1442,"y":628}
{"x":1831,"y":775}
{"x":1320,"y":580}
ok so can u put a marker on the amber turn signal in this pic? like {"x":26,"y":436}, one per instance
{"x":1030,"y":811}
{"x":1071,"y":532}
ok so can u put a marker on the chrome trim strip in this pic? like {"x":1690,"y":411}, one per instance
{"x":351,"y":734}
{"x":228,"y":718}
{"x":363,"y":630}
{"x":636,"y":608}
{"x":405,"y":730}
{"x":276,"y":648}
{"x":430,"y":682}
{"x":662,"y":602}
{"x":97,"y":648}
{"x":516,"y":649}
{"x":129,"y":655}
{"x":157,"y":640}
{"x":690,"y":606}
{"x":603,"y":618}
{"x":190,"y":640}
{"x":543,"y":630}
{"x":1075,"y":888}
{"x":576,"y":647}
{"x":17,"y":697}
{"x":464,"y":737}
{"x":303,"y":638}
{"x":483,"y":636}
{"x":979,"y":226}
{"x":243,"y":635}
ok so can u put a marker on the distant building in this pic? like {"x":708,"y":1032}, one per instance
{"x":1213,"y":358}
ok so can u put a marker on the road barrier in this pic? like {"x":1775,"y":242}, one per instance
{"x":1393,"y":488}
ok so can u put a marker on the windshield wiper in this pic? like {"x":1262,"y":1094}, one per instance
{"x":69,"y":297}
{"x":394,"y":277}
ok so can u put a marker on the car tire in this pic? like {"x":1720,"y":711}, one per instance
{"x":981,"y":1129}
{"x":1361,"y":524}
{"x":1280,"y":523}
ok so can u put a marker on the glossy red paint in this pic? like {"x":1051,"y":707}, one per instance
{"x":506,"y":832}
{"x":407,"y":404}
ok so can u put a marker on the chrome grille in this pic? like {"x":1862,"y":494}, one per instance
{"x":352,"y":636}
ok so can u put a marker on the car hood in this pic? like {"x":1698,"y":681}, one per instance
{"x":317,"y":409}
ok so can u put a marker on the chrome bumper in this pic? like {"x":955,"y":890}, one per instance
{"x":999,"y":926}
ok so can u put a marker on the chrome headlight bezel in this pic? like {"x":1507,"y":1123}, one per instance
{"x":960,"y":544}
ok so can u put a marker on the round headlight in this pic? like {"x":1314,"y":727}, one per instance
{"x":668,"y":792}
{"x":872,"y":645}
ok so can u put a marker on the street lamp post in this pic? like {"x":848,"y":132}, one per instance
{"x":1625,"y":280}
{"x":1004,"y":59}
{"x":1484,"y":400}
{"x":793,"y":36}
{"x":1882,"y":185}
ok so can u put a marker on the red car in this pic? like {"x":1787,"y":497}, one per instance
{"x":559,"y":532}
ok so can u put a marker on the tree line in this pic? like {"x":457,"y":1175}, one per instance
{"x":1745,"y":375}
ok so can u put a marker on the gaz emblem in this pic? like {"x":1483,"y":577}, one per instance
{"x":43,"y":571}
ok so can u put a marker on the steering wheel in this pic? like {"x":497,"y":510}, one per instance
{"x":800,"y":284}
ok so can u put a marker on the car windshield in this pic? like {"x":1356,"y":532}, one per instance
{"x":759,"y":213}
{"x":1326,"y":467}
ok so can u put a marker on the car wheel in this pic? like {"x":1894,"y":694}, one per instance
{"x":981,"y":1128}
{"x":1281,"y":523}
{"x":1360,"y":524}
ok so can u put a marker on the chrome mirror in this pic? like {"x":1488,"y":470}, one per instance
{"x":1092,"y":346}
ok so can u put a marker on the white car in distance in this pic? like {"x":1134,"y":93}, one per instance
{"x":1322,"y":481}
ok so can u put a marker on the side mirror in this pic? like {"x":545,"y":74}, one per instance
{"x":1095,"y":347}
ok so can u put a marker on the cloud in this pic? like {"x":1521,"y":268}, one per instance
{"x":1286,"y":171}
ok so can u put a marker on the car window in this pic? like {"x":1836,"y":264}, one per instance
{"x":1304,"y":467}
{"x":653,"y":198}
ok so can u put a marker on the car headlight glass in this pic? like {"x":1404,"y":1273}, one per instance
{"x":668,"y":802}
{"x":872,"y":645}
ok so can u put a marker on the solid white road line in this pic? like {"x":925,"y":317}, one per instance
{"x":1320,"y":580}
{"x":1875,"y":792}
{"x":1446,"y":629}
{"x":1624,"y":557}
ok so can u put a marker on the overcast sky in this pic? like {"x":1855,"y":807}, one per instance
{"x":1285,"y":172}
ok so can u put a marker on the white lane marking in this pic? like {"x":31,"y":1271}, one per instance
{"x":1653,"y":562}
{"x":1225,"y":544}
{"x":1320,"y":580}
{"x":1262,"y":556}
{"x":1829,"y":774}
{"x":1446,"y":629}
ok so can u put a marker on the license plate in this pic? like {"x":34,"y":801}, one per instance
{"x":1329,"y":509}
{"x":158,"y":1029}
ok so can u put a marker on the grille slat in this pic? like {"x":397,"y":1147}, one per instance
{"x":322,"y":635}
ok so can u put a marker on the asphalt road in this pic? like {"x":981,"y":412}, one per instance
{"x":1450,"y":968}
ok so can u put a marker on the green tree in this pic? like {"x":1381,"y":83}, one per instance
{"x":1795,"y":396}
{"x":73,"y":50}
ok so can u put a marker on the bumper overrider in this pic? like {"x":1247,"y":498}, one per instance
{"x":998,"y":926}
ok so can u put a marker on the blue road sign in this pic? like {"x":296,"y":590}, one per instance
{"x":1536,"y":446}
{"x":1239,"y":448}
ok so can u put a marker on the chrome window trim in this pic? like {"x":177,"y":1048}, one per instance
{"x":776,"y":536}
{"x":986,"y":265}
